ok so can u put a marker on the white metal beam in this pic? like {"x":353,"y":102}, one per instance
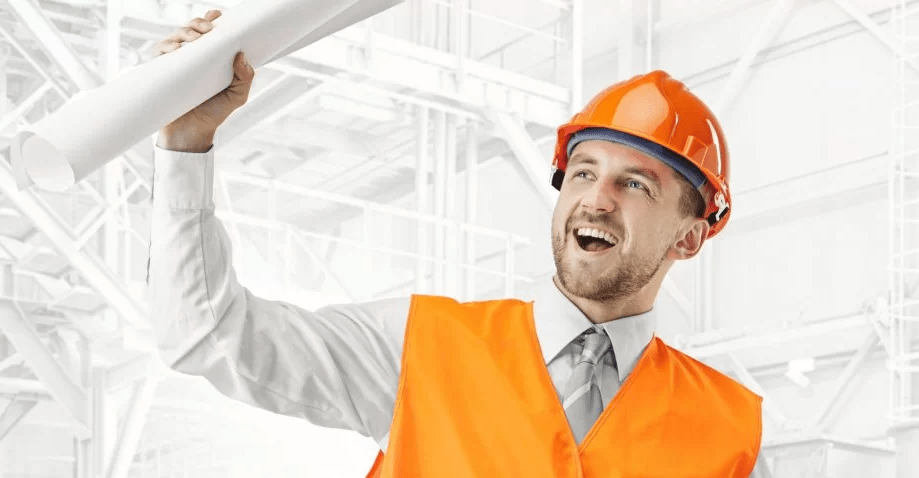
{"x":451,"y":239}
{"x":422,"y":198}
{"x":710,"y":10}
{"x":24,"y":387}
{"x":747,"y":379}
{"x":781,"y":198}
{"x":131,"y":428}
{"x":763,"y":37}
{"x":24,"y":106}
{"x":438,"y":189}
{"x":472,"y":205}
{"x":13,"y":359}
{"x":721,"y":342}
{"x":28,"y":203}
{"x":326,"y":269}
{"x":536,"y":168}
{"x":491,"y":151}
{"x":356,"y":203}
{"x":129,"y":372}
{"x":280,"y":98}
{"x":61,"y":237}
{"x":13,"y":413}
{"x":60,"y":51}
{"x":12,"y":40}
{"x":761,"y":469}
{"x":355,"y":143}
{"x":70,"y":63}
{"x":864,"y":20}
{"x":576,"y":54}
{"x":410,"y":67}
{"x":103,"y":439}
{"x":799,"y":438}
{"x":821,"y":419}
{"x":25,"y":339}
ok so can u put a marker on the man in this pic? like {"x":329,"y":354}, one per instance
{"x":573,"y":384}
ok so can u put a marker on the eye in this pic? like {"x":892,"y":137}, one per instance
{"x":635,"y":184}
{"x":582,"y":174}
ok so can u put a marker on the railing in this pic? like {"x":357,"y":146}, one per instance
{"x":381,"y":262}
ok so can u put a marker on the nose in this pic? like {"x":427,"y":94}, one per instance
{"x":600,"y":198}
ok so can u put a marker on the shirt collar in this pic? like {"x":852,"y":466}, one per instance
{"x":558,"y":321}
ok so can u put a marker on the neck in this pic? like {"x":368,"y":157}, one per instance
{"x":604,"y":311}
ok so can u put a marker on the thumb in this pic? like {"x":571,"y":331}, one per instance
{"x":243,"y":74}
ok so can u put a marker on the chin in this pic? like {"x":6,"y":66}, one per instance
{"x":607,"y":283}
{"x":581,"y":283}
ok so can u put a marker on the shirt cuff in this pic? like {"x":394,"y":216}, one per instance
{"x":183,"y":180}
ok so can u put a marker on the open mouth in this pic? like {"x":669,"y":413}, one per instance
{"x":594,"y":240}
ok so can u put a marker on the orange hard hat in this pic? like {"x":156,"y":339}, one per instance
{"x":659,"y":116}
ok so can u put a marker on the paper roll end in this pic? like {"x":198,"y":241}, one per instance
{"x":19,"y":171}
{"x":42,"y":164}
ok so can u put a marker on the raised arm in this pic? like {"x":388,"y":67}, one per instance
{"x":337,"y":366}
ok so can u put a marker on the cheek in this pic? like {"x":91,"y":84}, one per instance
{"x":559,"y":219}
{"x":645,"y":233}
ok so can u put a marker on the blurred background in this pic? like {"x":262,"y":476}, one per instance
{"x":410,"y":153}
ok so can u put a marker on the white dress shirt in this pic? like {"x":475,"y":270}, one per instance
{"x":337,"y":366}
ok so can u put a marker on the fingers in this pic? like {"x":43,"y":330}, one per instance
{"x":184,"y":34}
{"x":188,"y":33}
{"x":166,"y":47}
{"x":199,"y":25}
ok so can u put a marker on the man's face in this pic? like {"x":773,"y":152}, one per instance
{"x":628,"y":198}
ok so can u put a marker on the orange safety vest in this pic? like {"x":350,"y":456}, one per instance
{"x":475,"y":400}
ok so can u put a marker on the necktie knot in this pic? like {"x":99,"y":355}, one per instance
{"x":596,"y":344}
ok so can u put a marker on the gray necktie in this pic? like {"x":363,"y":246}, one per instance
{"x":582,"y":402}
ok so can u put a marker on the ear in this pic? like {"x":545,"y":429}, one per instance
{"x":690,"y":243}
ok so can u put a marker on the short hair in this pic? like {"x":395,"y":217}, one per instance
{"x":691,"y":202}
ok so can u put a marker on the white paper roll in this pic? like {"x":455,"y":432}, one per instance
{"x":98,"y":125}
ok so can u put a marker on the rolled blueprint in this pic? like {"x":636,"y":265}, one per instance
{"x":97,"y":125}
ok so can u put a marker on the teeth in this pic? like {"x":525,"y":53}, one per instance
{"x":596,"y":233}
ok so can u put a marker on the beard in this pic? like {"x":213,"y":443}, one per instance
{"x":626,"y":280}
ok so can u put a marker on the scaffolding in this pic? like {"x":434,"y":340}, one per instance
{"x":904,"y":220}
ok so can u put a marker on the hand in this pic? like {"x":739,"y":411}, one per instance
{"x":194,"y":131}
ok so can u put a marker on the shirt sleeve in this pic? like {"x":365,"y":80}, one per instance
{"x":336,"y":367}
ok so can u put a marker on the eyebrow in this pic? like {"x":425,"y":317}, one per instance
{"x":645,"y":173}
{"x":581,"y":158}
